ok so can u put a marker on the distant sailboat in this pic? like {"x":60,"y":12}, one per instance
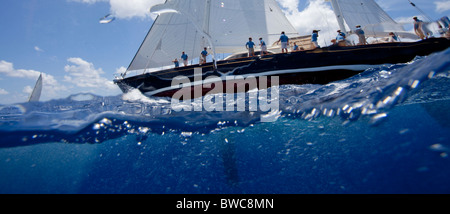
{"x":36,"y":94}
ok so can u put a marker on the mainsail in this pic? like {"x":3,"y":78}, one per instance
{"x":36,"y":94}
{"x":368,"y":14}
{"x":223,"y":26}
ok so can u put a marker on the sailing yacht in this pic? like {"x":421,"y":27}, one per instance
{"x":224,"y":27}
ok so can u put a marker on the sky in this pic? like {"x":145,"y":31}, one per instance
{"x":63,"y":40}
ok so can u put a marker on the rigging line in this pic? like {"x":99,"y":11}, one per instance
{"x":328,"y":24}
{"x":421,"y":11}
{"x":159,"y":45}
{"x":373,"y":26}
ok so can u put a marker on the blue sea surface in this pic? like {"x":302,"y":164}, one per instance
{"x":386,"y":130}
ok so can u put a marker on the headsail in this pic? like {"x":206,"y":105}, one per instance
{"x":190,"y":25}
{"x":366,"y":13}
{"x":36,"y":94}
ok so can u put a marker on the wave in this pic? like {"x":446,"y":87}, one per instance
{"x":88,"y":118}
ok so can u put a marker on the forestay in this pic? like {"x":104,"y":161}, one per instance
{"x":222,"y":26}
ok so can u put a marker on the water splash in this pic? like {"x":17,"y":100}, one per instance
{"x":369,"y":95}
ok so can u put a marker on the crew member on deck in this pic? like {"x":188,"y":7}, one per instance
{"x":263,"y":47}
{"x":314,"y":38}
{"x":185,"y":58}
{"x":418,"y":28}
{"x":250,"y":47}
{"x":392,"y":37}
{"x":341,"y":34}
{"x":284,"y":42}
{"x":203,"y":56}
{"x":361,"y":35}
{"x":177,"y":64}
{"x":295,"y":48}
{"x":340,"y":39}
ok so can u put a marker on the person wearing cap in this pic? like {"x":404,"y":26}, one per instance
{"x":314,"y":37}
{"x":361,"y":35}
{"x":340,"y":39}
{"x":341,"y":34}
{"x":418,"y":24}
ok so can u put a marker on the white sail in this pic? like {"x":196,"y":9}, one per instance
{"x":36,"y":94}
{"x":367,"y":13}
{"x":224,"y":26}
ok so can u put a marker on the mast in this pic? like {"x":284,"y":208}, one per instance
{"x":339,"y":15}
{"x":191,"y":25}
{"x":207,"y":17}
{"x":206,"y":24}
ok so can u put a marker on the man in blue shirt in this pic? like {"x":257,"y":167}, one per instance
{"x":184,"y":57}
{"x":340,"y":39}
{"x":177,"y":64}
{"x":284,"y":42}
{"x":314,"y":38}
{"x":204,"y":53}
{"x":341,"y":34}
{"x":250,"y":47}
{"x":295,"y":48}
{"x":263,"y":47}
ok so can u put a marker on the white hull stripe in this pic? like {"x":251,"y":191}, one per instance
{"x":271,"y":73}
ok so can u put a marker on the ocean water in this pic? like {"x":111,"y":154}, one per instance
{"x":386,"y":130}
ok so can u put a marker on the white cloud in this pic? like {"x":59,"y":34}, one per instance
{"x":133,"y":8}
{"x":27,"y":90}
{"x":120,"y":70}
{"x":51,"y":86}
{"x":88,"y":1}
{"x":442,"y":5}
{"x":38,"y":49}
{"x":127,"y":9}
{"x":3,"y":91}
{"x":289,"y":5}
{"x":318,"y":15}
{"x":83,"y":74}
{"x":82,"y":77}
{"x":8,"y":69}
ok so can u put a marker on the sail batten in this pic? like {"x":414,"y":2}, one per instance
{"x":225,"y":26}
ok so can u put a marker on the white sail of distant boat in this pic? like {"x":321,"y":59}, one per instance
{"x":36,"y":94}
{"x":367,"y":13}
{"x":223,"y":26}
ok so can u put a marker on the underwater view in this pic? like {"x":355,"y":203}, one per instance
{"x":384,"y":131}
